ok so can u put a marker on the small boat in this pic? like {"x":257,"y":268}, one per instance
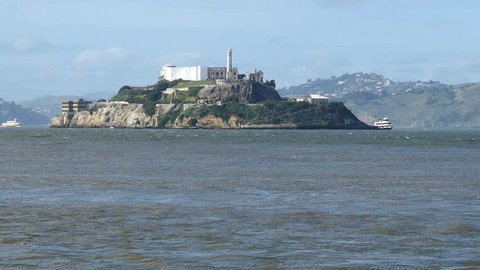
{"x":12,"y":123}
{"x":383,"y":123}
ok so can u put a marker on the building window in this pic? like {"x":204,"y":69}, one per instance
{"x":217,"y":73}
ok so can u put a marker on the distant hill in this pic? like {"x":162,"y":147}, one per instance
{"x":412,"y":104}
{"x":50,"y":106}
{"x":10,"y":111}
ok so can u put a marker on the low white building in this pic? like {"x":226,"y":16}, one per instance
{"x":313,"y":98}
{"x":196,"y":73}
{"x":317,"y":98}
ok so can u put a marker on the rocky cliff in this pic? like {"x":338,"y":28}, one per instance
{"x":273,"y":114}
{"x":250,"y":92}
{"x":104,"y":115}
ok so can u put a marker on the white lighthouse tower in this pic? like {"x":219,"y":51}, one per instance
{"x":229,"y":73}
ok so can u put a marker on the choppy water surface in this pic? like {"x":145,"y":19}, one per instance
{"x":255,"y":199}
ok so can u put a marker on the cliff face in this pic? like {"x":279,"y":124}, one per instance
{"x":250,"y":92}
{"x":332,"y":115}
{"x":106,"y":115}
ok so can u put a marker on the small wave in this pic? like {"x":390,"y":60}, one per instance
{"x":465,"y":229}
{"x":471,"y":263}
{"x":156,"y":137}
{"x":10,"y":241}
{"x":39,"y":135}
{"x":381,"y":230}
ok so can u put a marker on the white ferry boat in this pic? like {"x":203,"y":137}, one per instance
{"x":12,"y":123}
{"x":383,"y":123}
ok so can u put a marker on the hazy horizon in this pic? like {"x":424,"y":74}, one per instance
{"x":74,"y":48}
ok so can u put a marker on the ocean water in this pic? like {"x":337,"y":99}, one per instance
{"x":239,"y":199}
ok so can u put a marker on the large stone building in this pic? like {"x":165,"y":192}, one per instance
{"x":199,"y":73}
{"x":78,"y":105}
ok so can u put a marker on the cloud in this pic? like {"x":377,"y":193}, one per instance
{"x":457,"y":71}
{"x":100,"y":58}
{"x":27,"y":45}
{"x":298,"y":70}
{"x":340,"y":3}
{"x":22,"y":44}
{"x":155,"y":61}
{"x":274,"y":41}
{"x":184,"y":58}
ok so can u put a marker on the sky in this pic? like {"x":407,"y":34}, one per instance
{"x":70,"y":47}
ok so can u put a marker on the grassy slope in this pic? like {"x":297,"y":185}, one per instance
{"x":328,"y":115}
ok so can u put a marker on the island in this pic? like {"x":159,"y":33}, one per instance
{"x":207,"y":97}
